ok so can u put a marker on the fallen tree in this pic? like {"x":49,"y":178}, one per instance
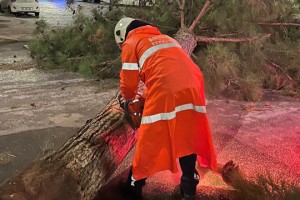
{"x":87,"y":160}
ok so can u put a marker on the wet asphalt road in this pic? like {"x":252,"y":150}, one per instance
{"x":40,"y":109}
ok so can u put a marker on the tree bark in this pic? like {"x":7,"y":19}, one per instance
{"x":81,"y":166}
{"x":200,"y":15}
{"x":232,"y":40}
{"x":277,"y":24}
{"x":181,"y":4}
{"x":186,"y":39}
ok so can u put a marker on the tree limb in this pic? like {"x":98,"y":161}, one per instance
{"x":234,"y":40}
{"x":201,"y":14}
{"x":277,"y":24}
{"x":115,"y":4}
{"x":281,"y":68}
{"x":181,"y":4}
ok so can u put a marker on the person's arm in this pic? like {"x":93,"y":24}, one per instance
{"x":129,"y":76}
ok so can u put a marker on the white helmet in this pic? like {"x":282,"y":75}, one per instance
{"x":120,"y":29}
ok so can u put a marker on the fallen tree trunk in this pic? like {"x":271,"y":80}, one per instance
{"x":81,"y":166}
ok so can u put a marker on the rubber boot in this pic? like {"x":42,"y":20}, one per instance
{"x":188,"y":187}
{"x":132,"y":189}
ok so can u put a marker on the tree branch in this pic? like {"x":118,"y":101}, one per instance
{"x":116,"y":4}
{"x":181,"y":4}
{"x":281,"y":68}
{"x":277,"y":24}
{"x":201,"y":14}
{"x":233,"y":40}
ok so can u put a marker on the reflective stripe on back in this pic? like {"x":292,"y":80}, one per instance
{"x":167,"y":116}
{"x":153,"y":49}
{"x":130,"y":66}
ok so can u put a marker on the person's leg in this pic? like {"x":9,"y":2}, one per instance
{"x":134,"y":187}
{"x":190,"y":176}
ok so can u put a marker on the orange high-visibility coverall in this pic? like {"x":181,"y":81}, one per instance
{"x":174,"y":121}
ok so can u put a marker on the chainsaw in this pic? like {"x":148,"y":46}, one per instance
{"x":133,"y":110}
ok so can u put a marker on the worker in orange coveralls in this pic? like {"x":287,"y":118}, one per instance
{"x":174,"y":122}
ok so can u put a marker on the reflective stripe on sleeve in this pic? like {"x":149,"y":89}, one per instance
{"x":170,"y":115}
{"x":130,"y":66}
{"x":153,"y":49}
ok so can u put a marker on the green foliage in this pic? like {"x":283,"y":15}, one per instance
{"x":41,"y":25}
{"x":262,"y":186}
{"x":81,"y":47}
{"x":218,"y":65}
{"x":237,"y":70}
{"x":238,"y":19}
{"x":267,"y":188}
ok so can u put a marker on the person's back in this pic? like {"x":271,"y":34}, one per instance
{"x":163,"y":64}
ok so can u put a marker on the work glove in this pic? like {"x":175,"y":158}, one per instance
{"x":122,"y":102}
